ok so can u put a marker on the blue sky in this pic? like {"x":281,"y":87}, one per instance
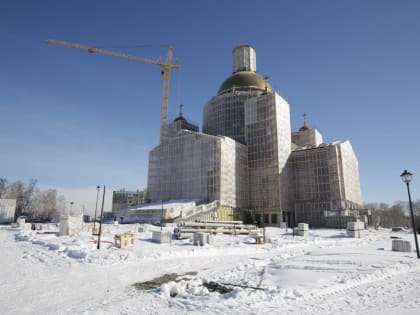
{"x":74,"y":120}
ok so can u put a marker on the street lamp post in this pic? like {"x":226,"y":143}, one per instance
{"x":96,"y":207}
{"x":71,"y":206}
{"x":406,"y":178}
{"x":263,"y":223}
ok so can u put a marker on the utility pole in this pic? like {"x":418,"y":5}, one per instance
{"x":100,"y":221}
{"x":161,"y":217}
{"x":96,"y":207}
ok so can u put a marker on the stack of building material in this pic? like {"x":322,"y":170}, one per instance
{"x":21,"y":221}
{"x":71,"y":224}
{"x":95,"y":231}
{"x":162,"y":237}
{"x":303,"y":229}
{"x":124,"y":240}
{"x":396,"y":229}
{"x":259,"y":238}
{"x":187,"y":229}
{"x":354,"y":228}
{"x":401,"y":246}
{"x":201,"y":239}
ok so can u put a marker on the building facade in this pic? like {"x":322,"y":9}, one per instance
{"x":192,"y":165}
{"x":267,"y":122}
{"x":248,"y":158}
{"x":325,"y":180}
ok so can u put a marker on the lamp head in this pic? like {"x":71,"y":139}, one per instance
{"x":406,"y":177}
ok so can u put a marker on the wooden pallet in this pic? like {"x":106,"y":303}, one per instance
{"x":124,"y":240}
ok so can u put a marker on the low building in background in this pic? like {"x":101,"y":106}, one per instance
{"x":155,"y":212}
{"x":126,"y":198}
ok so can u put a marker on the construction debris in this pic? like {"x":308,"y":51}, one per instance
{"x":222,"y":287}
{"x":157,"y":282}
{"x":187,"y":229}
{"x":216,"y":287}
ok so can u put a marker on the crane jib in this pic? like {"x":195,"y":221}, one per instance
{"x":166,"y":67}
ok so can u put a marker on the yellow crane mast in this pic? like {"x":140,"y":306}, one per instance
{"x":166,"y":68}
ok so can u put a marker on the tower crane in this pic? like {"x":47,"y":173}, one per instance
{"x":166,"y":66}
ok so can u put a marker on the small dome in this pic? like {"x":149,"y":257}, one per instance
{"x":303,"y":128}
{"x":244,"y":80}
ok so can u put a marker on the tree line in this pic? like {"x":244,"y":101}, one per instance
{"x":397,"y":214}
{"x":47,"y":204}
{"x":44,"y":204}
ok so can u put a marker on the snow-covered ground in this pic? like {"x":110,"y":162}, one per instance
{"x":324,"y":273}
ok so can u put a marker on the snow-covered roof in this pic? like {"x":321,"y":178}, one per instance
{"x":167,"y":205}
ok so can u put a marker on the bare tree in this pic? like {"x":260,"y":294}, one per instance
{"x":15,"y":190}
{"x":61,"y":204}
{"x":416,"y":207}
{"x":28,"y":194}
{"x":397,"y":214}
{"x":383,"y":206}
{"x":378,"y":212}
{"x":22,"y":193}
{"x":19,"y":191}
{"x":389,"y":216}
{"x":47,"y":204}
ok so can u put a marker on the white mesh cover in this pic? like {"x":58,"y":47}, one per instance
{"x":244,"y":59}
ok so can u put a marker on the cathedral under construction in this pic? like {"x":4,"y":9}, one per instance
{"x":248,"y":159}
